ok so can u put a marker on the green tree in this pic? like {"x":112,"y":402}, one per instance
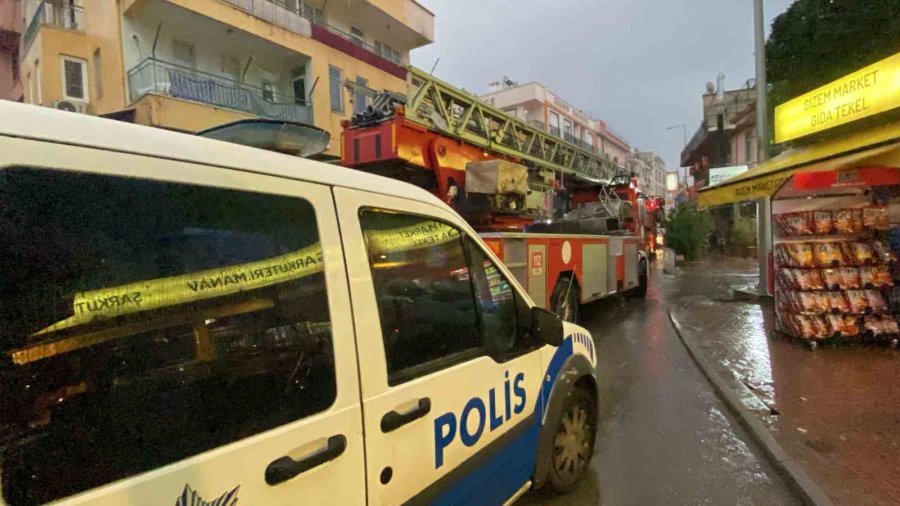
{"x":687,"y":231}
{"x":815,"y":42}
{"x":743,"y":234}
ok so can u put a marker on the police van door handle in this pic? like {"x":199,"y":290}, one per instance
{"x":285,"y":468}
{"x":394,"y":420}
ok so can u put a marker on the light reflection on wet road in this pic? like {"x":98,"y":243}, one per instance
{"x":664,"y":436}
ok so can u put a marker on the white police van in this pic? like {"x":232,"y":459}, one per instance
{"x":186,"y":321}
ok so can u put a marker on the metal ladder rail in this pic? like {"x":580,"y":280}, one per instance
{"x":458,"y":114}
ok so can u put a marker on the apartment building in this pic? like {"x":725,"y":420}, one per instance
{"x":650,"y":171}
{"x":727,"y":134}
{"x":10,"y":34}
{"x":192,"y":64}
{"x":541,"y":107}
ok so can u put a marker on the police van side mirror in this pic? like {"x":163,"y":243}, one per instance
{"x":546,"y":326}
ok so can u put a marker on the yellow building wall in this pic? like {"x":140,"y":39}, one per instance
{"x":322,"y":57}
{"x":52,"y":43}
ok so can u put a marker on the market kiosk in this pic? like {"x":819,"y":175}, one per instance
{"x":835,"y":200}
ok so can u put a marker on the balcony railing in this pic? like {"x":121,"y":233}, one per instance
{"x":63,"y":16}
{"x":297,"y":17}
{"x":277,"y":12}
{"x":155,"y":76}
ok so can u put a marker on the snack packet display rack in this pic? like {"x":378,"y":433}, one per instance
{"x":835,"y":250}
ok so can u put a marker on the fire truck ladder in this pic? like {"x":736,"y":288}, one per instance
{"x":461,"y":115}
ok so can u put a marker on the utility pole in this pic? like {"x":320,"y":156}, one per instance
{"x":683,"y":128}
{"x":763,"y":205}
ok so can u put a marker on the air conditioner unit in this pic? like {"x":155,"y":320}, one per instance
{"x":71,"y":106}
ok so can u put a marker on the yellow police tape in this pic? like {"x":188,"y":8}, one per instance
{"x":112,"y":302}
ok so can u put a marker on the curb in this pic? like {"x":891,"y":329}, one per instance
{"x":790,"y":471}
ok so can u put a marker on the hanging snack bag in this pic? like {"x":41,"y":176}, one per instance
{"x":801,"y":223}
{"x":889,"y":325}
{"x":863,"y":253}
{"x":809,"y":279}
{"x":875,"y":277}
{"x":832,"y":278}
{"x":782,"y":256}
{"x":837,"y":302}
{"x":847,"y":221}
{"x":876,"y":301}
{"x":785,"y":279}
{"x":828,"y":254}
{"x":812,"y":302}
{"x":801,"y":254}
{"x":883,"y":253}
{"x":850,"y":279}
{"x":822,"y":222}
{"x":845,"y":325}
{"x":781,"y":224}
{"x":876,"y":218}
{"x":858,"y":301}
{"x":811,"y":327}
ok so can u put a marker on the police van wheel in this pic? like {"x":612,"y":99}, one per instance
{"x":565,"y":300}
{"x":573,"y":442}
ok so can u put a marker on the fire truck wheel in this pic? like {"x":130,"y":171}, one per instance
{"x":565,"y":299}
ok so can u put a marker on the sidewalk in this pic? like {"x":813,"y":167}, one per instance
{"x":838,"y":408}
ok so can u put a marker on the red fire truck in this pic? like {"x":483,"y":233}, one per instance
{"x":569,"y":235}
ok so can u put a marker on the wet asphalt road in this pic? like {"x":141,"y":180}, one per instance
{"x":664,"y":436}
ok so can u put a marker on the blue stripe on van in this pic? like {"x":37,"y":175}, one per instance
{"x":503,"y":473}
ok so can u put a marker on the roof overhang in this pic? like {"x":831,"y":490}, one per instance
{"x":878,"y":146}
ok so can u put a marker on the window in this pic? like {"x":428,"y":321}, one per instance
{"x":567,"y":129}
{"x":424,"y":296}
{"x":440,"y":299}
{"x":387,"y":52}
{"x":357,"y":37}
{"x":108,"y":377}
{"x":589,"y":140}
{"x":183,"y":52}
{"x":360,"y":99}
{"x":496,"y":299}
{"x":98,"y":73}
{"x":74,"y":78}
{"x":268,"y":91}
{"x":554,"y":123}
{"x":314,"y":14}
{"x":335,"y":88}
{"x":231,"y":67}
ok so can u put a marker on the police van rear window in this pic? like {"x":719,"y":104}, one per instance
{"x":144,"y":322}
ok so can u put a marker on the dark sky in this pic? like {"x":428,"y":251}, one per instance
{"x":639,"y":65}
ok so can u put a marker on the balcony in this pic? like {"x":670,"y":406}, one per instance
{"x":154,"y":76}
{"x":70,"y":17}
{"x":312,"y":23}
{"x":356,"y":48}
{"x":278,"y":12}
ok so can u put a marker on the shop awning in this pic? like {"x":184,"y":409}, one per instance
{"x":876,"y":146}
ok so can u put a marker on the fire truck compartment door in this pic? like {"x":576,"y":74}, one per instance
{"x":631,"y":265}
{"x":595,"y":265}
{"x":537,"y":273}
{"x":615,"y":251}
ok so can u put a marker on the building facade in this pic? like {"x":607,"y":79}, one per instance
{"x":650,"y":171}
{"x":727,"y":134}
{"x":192,"y":64}
{"x":10,"y":35}
{"x":539,"y":106}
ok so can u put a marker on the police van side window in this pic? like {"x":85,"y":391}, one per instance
{"x":498,"y":303}
{"x":144,"y":322}
{"x":424,"y":295}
